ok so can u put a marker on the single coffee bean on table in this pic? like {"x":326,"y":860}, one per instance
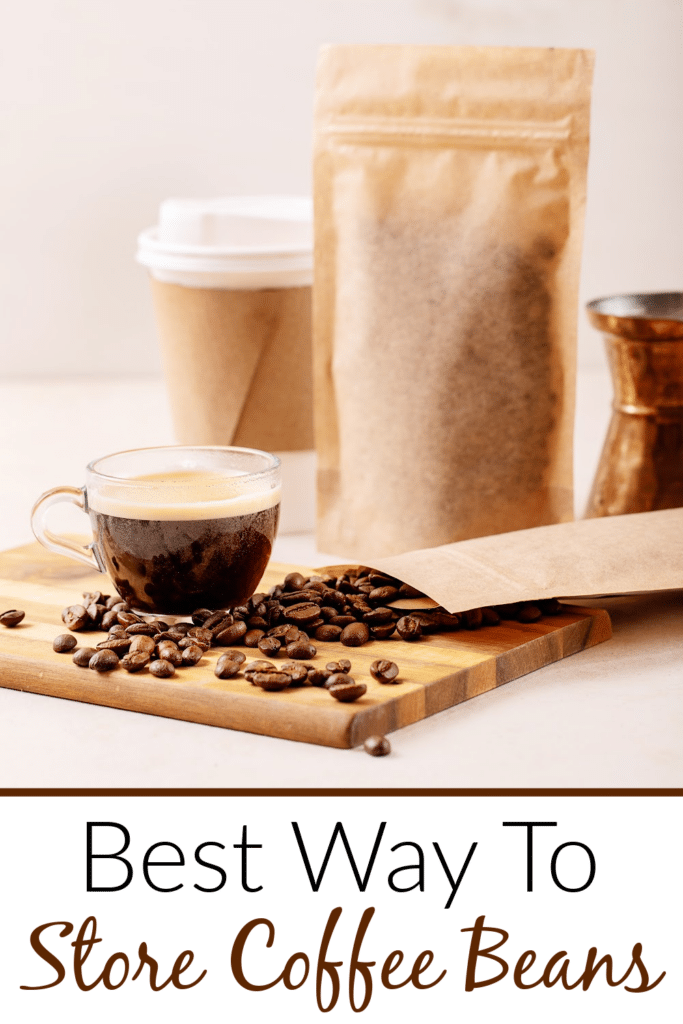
{"x":64,"y":642}
{"x":162,"y":668}
{"x":377,"y":746}
{"x":345,"y":691}
{"x":384,"y":671}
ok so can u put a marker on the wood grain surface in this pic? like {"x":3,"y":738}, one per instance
{"x":436,"y":672}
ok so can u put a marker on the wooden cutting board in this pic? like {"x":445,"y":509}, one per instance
{"x":437,"y":671}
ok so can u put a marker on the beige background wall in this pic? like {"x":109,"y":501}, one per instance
{"x":109,"y":106}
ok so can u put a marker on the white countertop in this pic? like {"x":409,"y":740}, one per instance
{"x":611,"y":716}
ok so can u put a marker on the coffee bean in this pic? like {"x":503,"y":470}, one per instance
{"x":216,"y":618}
{"x":382,"y":595}
{"x":509,"y":612}
{"x":301,"y":614}
{"x":64,"y":642}
{"x":342,"y":620}
{"x":343,"y":665}
{"x":94,"y":613}
{"x":551,"y":606}
{"x":294,"y":581}
{"x":284,"y":633}
{"x":226,"y":667}
{"x":346,"y":691}
{"x":252,"y":637}
{"x":379,"y":617}
{"x":301,"y":650}
{"x":297,"y":672}
{"x":82,"y":656}
{"x":409,"y":628}
{"x":384,"y":671}
{"x":104,"y":661}
{"x":444,"y":620}
{"x":339,"y":679}
{"x":318,"y":676}
{"x":162,"y":668}
{"x":111,"y":601}
{"x":355,"y":635}
{"x":127,"y":618}
{"x":271,"y":681}
{"x":203,"y":637}
{"x":427,"y":620}
{"x":405,"y":590}
{"x":260,"y":666}
{"x":191,"y":655}
{"x":75,"y":617}
{"x":327,"y":633}
{"x":135,"y":661}
{"x":117,"y":631}
{"x":270,"y":646}
{"x":169,"y":636}
{"x":529,"y":612}
{"x":109,"y":619}
{"x":141,"y":629}
{"x":182,"y":627}
{"x":238,"y":656}
{"x":141,"y":644}
{"x":382,"y":632}
{"x":200,"y":616}
{"x":377,"y":746}
{"x":120,"y":644}
{"x":473,"y":619}
{"x":232,"y":635}
{"x":490,"y":617}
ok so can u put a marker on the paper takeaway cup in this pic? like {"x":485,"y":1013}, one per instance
{"x":231,"y":283}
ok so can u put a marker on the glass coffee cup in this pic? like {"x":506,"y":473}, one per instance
{"x":176,"y":528}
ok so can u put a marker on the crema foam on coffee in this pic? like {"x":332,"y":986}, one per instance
{"x":182,"y":495}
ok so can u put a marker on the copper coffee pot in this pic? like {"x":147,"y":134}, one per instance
{"x":641,"y":466}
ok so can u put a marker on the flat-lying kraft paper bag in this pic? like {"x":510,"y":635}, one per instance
{"x":237,"y":364}
{"x":449,"y":197}
{"x":591,"y":558}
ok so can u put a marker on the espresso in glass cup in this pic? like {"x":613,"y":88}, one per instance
{"x":176,"y":528}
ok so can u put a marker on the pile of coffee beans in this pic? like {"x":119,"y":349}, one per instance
{"x":351,"y":610}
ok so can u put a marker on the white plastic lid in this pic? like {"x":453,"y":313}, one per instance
{"x":233,"y":242}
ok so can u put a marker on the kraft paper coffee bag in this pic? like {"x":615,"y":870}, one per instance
{"x":449,"y":198}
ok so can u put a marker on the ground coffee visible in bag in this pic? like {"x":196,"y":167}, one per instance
{"x":449,"y":199}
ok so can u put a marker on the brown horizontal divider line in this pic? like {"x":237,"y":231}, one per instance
{"x":407,"y":792}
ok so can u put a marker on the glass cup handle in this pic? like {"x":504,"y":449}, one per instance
{"x":62,"y":545}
